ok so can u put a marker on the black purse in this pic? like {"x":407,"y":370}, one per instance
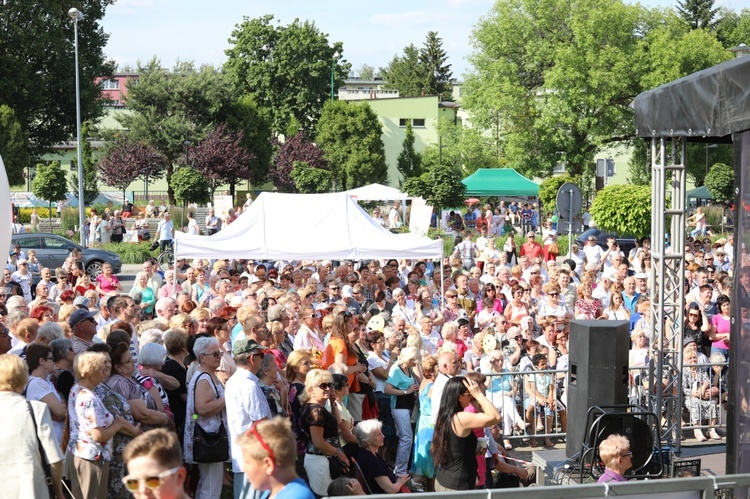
{"x":43,"y":455}
{"x":209,"y":446}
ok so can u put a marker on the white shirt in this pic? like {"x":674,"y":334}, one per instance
{"x":437,"y":393}
{"x":193,"y":227}
{"x":37,"y":389}
{"x":593,"y":254}
{"x":245,"y":404}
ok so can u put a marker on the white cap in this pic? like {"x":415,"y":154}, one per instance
{"x":347,"y":292}
{"x":641,"y":275}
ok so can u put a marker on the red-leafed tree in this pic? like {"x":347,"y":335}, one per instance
{"x":295,"y":150}
{"x":222,"y":159}
{"x":128,"y":160}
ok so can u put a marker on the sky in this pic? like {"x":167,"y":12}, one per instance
{"x":371,"y":32}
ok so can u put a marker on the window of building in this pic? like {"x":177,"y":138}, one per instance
{"x":417,"y":122}
{"x":402,"y":122}
{"x":110,"y":85}
{"x":73,"y":165}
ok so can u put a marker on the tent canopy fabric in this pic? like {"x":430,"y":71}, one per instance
{"x":377,"y":192}
{"x":714,"y":102}
{"x":699,"y":193}
{"x":499,"y":182}
{"x":306,"y":226}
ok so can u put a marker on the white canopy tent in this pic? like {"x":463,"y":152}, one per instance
{"x":306,"y":226}
{"x":380,"y":192}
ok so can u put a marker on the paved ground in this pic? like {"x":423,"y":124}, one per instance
{"x":127,"y":276}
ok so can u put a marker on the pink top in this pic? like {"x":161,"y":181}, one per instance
{"x":722,"y":326}
{"x":107,"y":285}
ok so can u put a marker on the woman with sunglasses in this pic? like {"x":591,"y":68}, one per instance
{"x":697,"y":327}
{"x":554,"y":305}
{"x":321,"y":428}
{"x":206,"y":406}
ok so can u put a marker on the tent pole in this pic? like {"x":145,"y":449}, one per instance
{"x":174,"y":269}
{"x":442,"y":287}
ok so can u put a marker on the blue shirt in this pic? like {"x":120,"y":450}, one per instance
{"x":296,"y":489}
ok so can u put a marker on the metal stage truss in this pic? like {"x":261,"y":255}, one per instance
{"x":667,"y":283}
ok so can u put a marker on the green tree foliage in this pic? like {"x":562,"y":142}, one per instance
{"x":37,"y":74}
{"x":14,"y":145}
{"x":558,"y":77}
{"x":409,"y":161}
{"x":90,"y":173}
{"x":733,"y":27}
{"x":698,"y":14}
{"x":190,"y":186}
{"x":167,"y":105}
{"x":720,"y":182}
{"x":287,"y":69}
{"x":246,"y":116}
{"x":366,"y":72}
{"x":548,"y":190}
{"x":49,"y":183}
{"x":420,"y":71}
{"x":438,"y":74}
{"x":350,"y":135}
{"x":623,"y":209}
{"x":405,"y":74}
{"x":440,"y":185}
{"x":310,"y":180}
{"x":464,"y":147}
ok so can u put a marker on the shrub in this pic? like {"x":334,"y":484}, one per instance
{"x":131,"y":253}
{"x":623,"y":209}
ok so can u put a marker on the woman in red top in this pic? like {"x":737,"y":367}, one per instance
{"x":83,"y":284}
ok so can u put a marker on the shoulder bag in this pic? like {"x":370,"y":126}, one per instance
{"x":208,"y":446}
{"x":43,"y":456}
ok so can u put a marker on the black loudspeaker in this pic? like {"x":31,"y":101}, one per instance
{"x":598,"y":353}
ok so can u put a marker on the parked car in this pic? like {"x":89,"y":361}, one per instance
{"x":626,"y":243}
{"x":52,"y":250}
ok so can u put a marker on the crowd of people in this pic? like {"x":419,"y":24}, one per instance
{"x":299,"y":376}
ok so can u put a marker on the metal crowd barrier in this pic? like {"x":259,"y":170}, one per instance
{"x":637,"y":394}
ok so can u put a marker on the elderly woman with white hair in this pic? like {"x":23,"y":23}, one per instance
{"x":614,"y":452}
{"x":403,"y":307}
{"x":206,"y":407}
{"x":502,"y":391}
{"x":148,"y":299}
{"x":152,"y":357}
{"x":378,"y":475}
{"x":403,"y":385}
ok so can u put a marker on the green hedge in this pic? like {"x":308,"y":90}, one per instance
{"x":132,"y":253}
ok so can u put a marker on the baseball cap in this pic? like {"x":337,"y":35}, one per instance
{"x":347,"y":292}
{"x":82,"y":301}
{"x":247,"y":346}
{"x":80,"y":315}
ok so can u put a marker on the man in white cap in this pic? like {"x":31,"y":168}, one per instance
{"x":347,"y":299}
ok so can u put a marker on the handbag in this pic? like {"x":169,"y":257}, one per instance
{"x":338,"y":469}
{"x":209,"y":446}
{"x":43,"y":456}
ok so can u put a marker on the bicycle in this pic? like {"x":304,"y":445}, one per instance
{"x":166,"y":258}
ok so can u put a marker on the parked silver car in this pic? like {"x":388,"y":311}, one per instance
{"x":52,"y":250}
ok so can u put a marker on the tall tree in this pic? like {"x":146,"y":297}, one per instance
{"x":37,"y":74}
{"x":405,"y":73}
{"x":409,"y":162}
{"x":366,"y":72}
{"x":222,"y":159}
{"x":49,"y":184}
{"x":296,"y":150}
{"x":246,"y":116}
{"x":720,"y":182}
{"x":127,"y":160}
{"x":698,"y":14}
{"x":440,"y":185}
{"x":310,"y":180}
{"x":733,"y":28}
{"x":168,"y":105}
{"x":350,"y":134}
{"x":287,"y":69}
{"x":190,"y":186}
{"x":438,"y":74}
{"x":14,"y":145}
{"x":90,"y":174}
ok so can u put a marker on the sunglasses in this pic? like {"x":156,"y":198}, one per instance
{"x":334,"y":288}
{"x":553,"y":294}
{"x":325,"y":386}
{"x":152,"y":482}
{"x":215,"y":354}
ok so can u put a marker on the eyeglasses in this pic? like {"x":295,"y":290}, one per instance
{"x":553,"y":294}
{"x":152,"y":482}
{"x":254,"y":432}
{"x":325,"y":386}
{"x":627,"y":454}
{"x":23,"y":264}
{"x":334,"y":288}
{"x":693,"y":315}
{"x":215,"y":354}
{"x":50,"y":358}
{"x":536,"y":273}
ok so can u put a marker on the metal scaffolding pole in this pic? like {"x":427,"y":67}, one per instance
{"x":667,"y":283}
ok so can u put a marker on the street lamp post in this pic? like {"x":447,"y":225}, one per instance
{"x":76,"y":15}
{"x":333,"y":72}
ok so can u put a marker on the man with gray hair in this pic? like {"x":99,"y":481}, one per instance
{"x":170,"y":287}
{"x":245,"y":405}
{"x":165,"y":308}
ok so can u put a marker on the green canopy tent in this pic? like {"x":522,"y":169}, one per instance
{"x":499,"y":182}
{"x":699,"y":193}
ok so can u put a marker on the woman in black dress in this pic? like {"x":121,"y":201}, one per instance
{"x":454,"y":444}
